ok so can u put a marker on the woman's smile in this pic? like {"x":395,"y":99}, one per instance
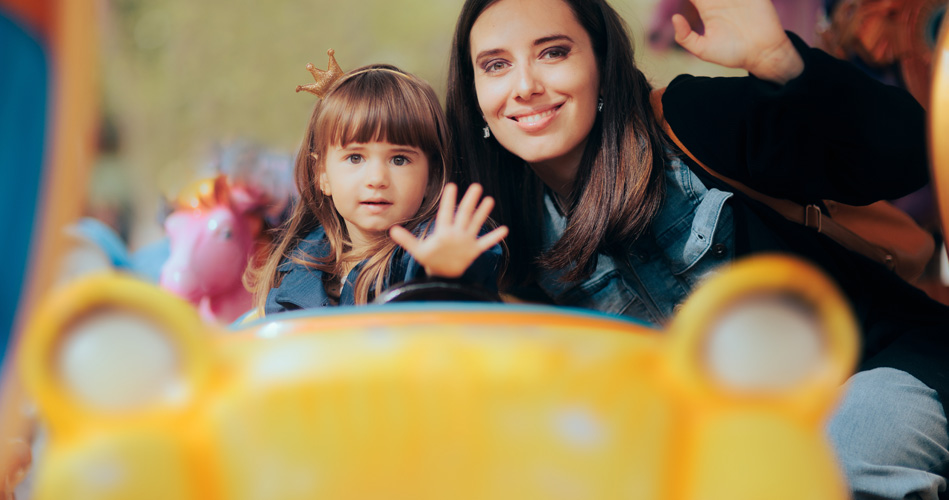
{"x":536,"y":120}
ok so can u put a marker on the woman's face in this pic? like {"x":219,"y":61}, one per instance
{"x":537,"y":80}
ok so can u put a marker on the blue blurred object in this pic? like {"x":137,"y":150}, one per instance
{"x":23,"y":110}
{"x":103,"y":236}
{"x":144,"y":263}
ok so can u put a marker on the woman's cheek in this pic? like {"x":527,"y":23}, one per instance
{"x":490,"y":98}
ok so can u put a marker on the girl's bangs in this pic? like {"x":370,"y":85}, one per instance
{"x":388,"y":111}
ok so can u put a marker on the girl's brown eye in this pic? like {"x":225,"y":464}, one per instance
{"x":400,"y":161}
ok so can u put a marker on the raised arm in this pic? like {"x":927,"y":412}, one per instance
{"x":830,"y":133}
{"x":744,"y":34}
{"x":454,"y":243}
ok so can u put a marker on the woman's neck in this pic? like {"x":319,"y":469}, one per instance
{"x":560,"y":174}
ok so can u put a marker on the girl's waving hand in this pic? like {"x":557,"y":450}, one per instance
{"x":453,"y":244}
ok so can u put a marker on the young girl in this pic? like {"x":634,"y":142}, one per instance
{"x":374,"y":159}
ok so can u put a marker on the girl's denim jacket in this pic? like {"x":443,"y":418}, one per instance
{"x":690,"y":237}
{"x":301,"y":286}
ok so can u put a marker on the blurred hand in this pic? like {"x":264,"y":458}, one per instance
{"x":453,"y":244}
{"x":744,"y":34}
{"x":20,"y":459}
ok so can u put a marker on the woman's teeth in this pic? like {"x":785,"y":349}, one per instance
{"x":536,"y":117}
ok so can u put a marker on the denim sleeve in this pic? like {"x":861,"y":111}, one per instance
{"x":485,"y":269}
{"x":300,"y":288}
{"x":404,"y":268}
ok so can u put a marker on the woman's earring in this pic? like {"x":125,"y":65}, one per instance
{"x":487,"y":131}
{"x":599,"y":104}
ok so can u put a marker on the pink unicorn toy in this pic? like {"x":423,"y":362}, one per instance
{"x":214,"y":231}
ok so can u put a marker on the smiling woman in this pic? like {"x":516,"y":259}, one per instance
{"x":605,"y":213}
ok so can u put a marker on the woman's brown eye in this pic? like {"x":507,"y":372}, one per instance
{"x":494,"y":66}
{"x":556,"y":53}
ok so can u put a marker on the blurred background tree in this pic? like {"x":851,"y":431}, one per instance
{"x":181,"y":76}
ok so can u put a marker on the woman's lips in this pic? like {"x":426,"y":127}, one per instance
{"x":536,"y":120}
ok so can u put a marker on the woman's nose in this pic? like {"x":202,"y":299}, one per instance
{"x":528,"y":82}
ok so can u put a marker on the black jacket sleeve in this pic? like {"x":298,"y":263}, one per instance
{"x":831,"y":133}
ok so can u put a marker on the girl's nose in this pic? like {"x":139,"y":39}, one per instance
{"x":528,"y":83}
{"x":377,"y":174}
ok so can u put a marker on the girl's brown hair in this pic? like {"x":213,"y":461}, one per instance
{"x":369,"y":104}
{"x":618,"y":189}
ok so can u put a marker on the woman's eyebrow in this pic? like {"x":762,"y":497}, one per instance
{"x":539,"y":41}
{"x":552,"y":38}
{"x":488,"y":53}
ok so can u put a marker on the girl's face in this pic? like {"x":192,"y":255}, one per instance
{"x":537,"y":80}
{"x":374,"y":186}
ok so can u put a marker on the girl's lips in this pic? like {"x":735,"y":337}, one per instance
{"x":536,"y":120}
{"x":376,"y":207}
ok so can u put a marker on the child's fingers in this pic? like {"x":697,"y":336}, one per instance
{"x":404,"y":239}
{"x":481,"y":215}
{"x":493,"y":238}
{"x":446,"y":208}
{"x":467,"y":205}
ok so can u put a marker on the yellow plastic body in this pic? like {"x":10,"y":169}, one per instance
{"x":446,"y":401}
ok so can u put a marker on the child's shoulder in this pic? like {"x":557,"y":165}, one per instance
{"x":313,"y":244}
{"x":300,"y":285}
{"x":316,"y":236}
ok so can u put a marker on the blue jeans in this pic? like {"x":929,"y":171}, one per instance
{"x":890,"y":436}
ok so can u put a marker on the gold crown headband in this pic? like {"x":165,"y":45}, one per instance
{"x":324,"y":80}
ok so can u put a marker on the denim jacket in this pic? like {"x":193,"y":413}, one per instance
{"x":302,"y":286}
{"x":690,"y":237}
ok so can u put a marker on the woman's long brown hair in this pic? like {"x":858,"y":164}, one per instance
{"x":618,"y":189}
{"x":369,"y":104}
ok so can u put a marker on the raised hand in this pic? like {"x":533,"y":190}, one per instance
{"x":744,"y":34}
{"x":453,"y":244}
